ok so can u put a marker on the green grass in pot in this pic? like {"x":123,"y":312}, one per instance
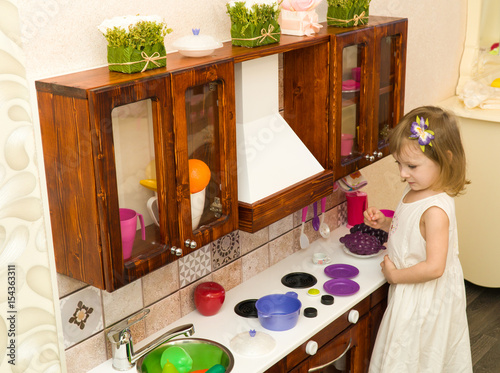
{"x":254,"y":26}
{"x":347,"y":13}
{"x":128,"y":48}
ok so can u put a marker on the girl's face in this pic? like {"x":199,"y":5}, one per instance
{"x":419,"y":171}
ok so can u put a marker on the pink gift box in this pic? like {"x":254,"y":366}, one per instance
{"x":299,"y":23}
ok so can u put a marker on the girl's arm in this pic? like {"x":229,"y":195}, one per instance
{"x":376,"y":219}
{"x":434,"y":228}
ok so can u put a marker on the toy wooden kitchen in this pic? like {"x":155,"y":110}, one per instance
{"x":114,"y":141}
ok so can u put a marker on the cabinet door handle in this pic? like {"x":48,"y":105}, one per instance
{"x":315,"y":369}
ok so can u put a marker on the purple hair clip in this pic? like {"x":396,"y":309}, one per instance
{"x":419,"y":131}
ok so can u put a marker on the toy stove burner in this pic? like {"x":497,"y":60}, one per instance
{"x":299,"y":280}
{"x":246,"y":308}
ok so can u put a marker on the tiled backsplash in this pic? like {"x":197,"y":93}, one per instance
{"x":87,"y":312}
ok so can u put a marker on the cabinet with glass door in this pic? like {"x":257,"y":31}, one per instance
{"x":367,"y":91}
{"x":352,"y":87}
{"x":389,"y":83}
{"x":123,"y":198}
{"x":205,"y":154}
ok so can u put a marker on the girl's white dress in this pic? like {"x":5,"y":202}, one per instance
{"x":424,"y":328}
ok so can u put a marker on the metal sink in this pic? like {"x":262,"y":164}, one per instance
{"x":205,"y":354}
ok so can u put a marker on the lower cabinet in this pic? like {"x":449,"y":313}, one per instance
{"x":347,"y":352}
{"x":343,"y":346}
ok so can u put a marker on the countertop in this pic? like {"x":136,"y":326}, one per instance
{"x":223,"y":326}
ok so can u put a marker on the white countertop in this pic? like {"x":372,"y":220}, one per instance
{"x":223,"y":326}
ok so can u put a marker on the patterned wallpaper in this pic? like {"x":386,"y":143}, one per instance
{"x":29,"y":337}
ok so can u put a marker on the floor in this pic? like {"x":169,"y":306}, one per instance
{"x":483,"y":313}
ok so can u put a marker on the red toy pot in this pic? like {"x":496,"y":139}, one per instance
{"x":208,"y":298}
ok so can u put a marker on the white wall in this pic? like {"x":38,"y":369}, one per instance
{"x":61,"y":36}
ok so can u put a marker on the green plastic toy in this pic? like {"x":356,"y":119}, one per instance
{"x":178,"y":357}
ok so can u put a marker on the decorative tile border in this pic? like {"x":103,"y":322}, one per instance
{"x":195,"y":265}
{"x":81,"y":314}
{"x":225,"y":249}
{"x":342,"y":217}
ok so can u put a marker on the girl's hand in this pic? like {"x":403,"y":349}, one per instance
{"x":388,"y":269}
{"x":374,"y":218}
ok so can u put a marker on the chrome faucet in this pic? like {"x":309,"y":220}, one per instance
{"x":122,"y":346}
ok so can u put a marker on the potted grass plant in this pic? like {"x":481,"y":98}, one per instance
{"x":135,"y":43}
{"x":347,"y":13}
{"x":254,"y":22}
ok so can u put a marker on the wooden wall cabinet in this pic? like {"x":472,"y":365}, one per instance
{"x":94,"y":160}
{"x":81,"y":118}
{"x":204,"y":129}
{"x":368,"y":76}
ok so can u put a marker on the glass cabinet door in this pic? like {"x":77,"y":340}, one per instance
{"x":389,"y":83}
{"x":350,"y":144}
{"x":205,"y":154}
{"x":133,"y":138}
{"x":353,"y":75}
{"x":202,"y":122}
{"x":127,"y":122}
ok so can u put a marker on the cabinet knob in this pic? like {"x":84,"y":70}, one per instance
{"x":311,"y":347}
{"x":176,"y":250}
{"x":379,"y":154}
{"x":369,"y":157}
{"x":190,"y":244}
{"x":353,"y":316}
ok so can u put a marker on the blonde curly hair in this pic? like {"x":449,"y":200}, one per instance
{"x":446,"y":150}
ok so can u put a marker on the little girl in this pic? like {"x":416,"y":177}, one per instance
{"x":424,"y":328}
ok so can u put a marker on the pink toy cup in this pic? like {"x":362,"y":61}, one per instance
{"x":356,"y":73}
{"x":346,"y":143}
{"x":357,"y":203}
{"x":128,"y":226}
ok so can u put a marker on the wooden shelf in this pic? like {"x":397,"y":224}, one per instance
{"x":386,"y":89}
{"x":76,"y":84}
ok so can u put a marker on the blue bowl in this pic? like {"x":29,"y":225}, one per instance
{"x":278,"y":312}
